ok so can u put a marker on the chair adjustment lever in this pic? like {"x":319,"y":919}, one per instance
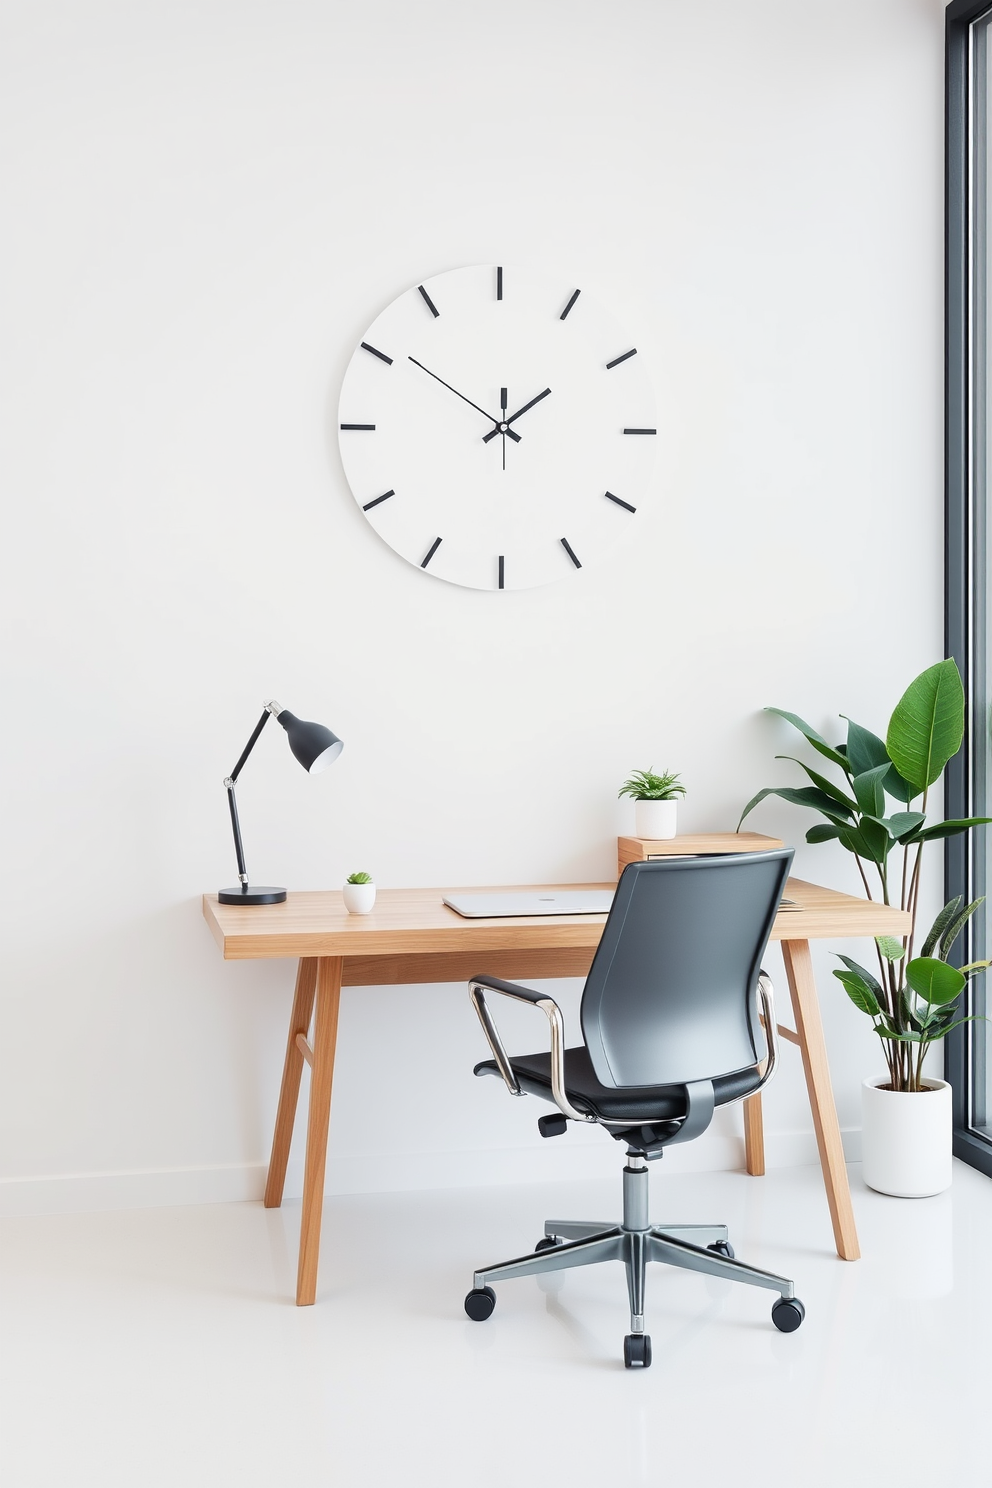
{"x":552,"y":1126}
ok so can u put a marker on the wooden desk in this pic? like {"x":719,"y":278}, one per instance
{"x":412,"y":937}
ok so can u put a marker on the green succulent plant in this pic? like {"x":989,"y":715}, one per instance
{"x":359,"y":878}
{"x":645,"y":785}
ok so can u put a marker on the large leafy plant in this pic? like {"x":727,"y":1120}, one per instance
{"x":914,"y":1000}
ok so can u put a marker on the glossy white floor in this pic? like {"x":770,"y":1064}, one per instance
{"x":161,"y":1347}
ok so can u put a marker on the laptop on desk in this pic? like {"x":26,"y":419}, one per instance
{"x":525,"y":903}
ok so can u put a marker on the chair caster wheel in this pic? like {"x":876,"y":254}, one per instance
{"x":722,"y":1247}
{"x":637,"y":1351}
{"x":547,"y":1242}
{"x":479,"y":1303}
{"x":787,"y":1314}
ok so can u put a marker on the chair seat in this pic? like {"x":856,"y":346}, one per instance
{"x":647,"y":1103}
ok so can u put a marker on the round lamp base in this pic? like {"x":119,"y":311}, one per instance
{"x":252,"y":896}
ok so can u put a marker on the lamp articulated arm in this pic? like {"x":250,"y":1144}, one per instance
{"x":271,"y":710}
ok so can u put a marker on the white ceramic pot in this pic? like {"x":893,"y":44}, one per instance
{"x":359,"y":898}
{"x":906,"y":1138}
{"x":655,"y":819}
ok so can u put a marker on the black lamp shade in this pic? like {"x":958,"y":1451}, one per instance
{"x":313,"y":745}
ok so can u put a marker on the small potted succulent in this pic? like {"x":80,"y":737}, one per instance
{"x":656,"y":801}
{"x":359,"y":893}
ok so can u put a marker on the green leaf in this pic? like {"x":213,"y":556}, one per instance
{"x":950,"y":936}
{"x":941,"y":923}
{"x":869,"y":840}
{"x":865,"y":750}
{"x":972,"y":1018}
{"x":891,"y":949}
{"x":844,"y":801}
{"x":818,"y":742}
{"x":859,"y":992}
{"x":822,"y":832}
{"x":909,"y":1015}
{"x":927,"y":727}
{"x":899,"y":789}
{"x":951,"y":828}
{"x":869,"y":792}
{"x":804,"y":795}
{"x":864,"y":974}
{"x":934,"y":980}
{"x":974,"y":967}
{"x":902,"y":824}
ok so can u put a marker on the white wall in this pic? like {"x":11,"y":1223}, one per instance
{"x":204,"y":204}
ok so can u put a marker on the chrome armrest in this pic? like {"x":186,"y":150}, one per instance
{"x":478,"y":987}
{"x":767,"y":994}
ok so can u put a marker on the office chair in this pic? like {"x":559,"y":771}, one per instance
{"x":670,"y":1020}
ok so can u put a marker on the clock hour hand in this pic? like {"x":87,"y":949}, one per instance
{"x":504,"y":428}
{"x":494,"y":422}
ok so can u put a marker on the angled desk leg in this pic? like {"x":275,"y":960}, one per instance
{"x":754,"y":1137}
{"x":329,"y":972}
{"x":809,"y":1026}
{"x":289,"y":1094}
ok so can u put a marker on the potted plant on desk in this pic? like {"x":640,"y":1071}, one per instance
{"x":359,"y":893}
{"x":656,"y":799}
{"x":912,"y":1001}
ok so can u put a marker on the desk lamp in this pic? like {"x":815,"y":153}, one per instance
{"x":315,"y":747}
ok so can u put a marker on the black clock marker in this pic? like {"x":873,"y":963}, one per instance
{"x":568,"y":550}
{"x":429,"y":302}
{"x":570,"y":304}
{"x":499,"y":284}
{"x":501,"y":570}
{"x":384,"y":497}
{"x":358,"y":426}
{"x":617,"y":360}
{"x":640,"y":431}
{"x":380,"y":354}
{"x":431,"y":551}
{"x":610,"y":497}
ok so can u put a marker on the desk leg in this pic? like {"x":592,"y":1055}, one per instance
{"x":329,"y":970}
{"x":809,"y":1026}
{"x":754,"y":1137}
{"x":289,"y":1094}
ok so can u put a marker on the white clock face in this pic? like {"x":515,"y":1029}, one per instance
{"x":497,"y":427}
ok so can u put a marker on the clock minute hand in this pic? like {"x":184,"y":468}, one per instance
{"x":506,"y":425}
{"x":494,"y":422}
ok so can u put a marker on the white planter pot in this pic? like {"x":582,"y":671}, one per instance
{"x":655,"y":819}
{"x":359,"y":898}
{"x":906,"y":1138}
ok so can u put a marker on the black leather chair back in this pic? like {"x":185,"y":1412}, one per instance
{"x":670,"y":997}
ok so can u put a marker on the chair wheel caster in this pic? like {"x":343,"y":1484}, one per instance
{"x":547,"y":1242}
{"x":480,"y":1302}
{"x":722,"y":1247}
{"x":637,"y":1351}
{"x":787,"y":1314}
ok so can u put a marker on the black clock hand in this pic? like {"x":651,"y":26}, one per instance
{"x":505,"y":428}
{"x":494,"y":422}
{"x":506,"y":425}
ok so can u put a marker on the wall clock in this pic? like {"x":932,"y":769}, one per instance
{"x":497,"y":427}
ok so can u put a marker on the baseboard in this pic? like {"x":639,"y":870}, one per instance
{"x":364,"y":1172}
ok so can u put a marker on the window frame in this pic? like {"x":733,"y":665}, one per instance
{"x":964,"y":556}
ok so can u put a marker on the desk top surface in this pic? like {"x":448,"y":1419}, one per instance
{"x":415,"y":921}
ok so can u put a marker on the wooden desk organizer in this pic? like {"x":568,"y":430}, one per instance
{"x":636,"y":849}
